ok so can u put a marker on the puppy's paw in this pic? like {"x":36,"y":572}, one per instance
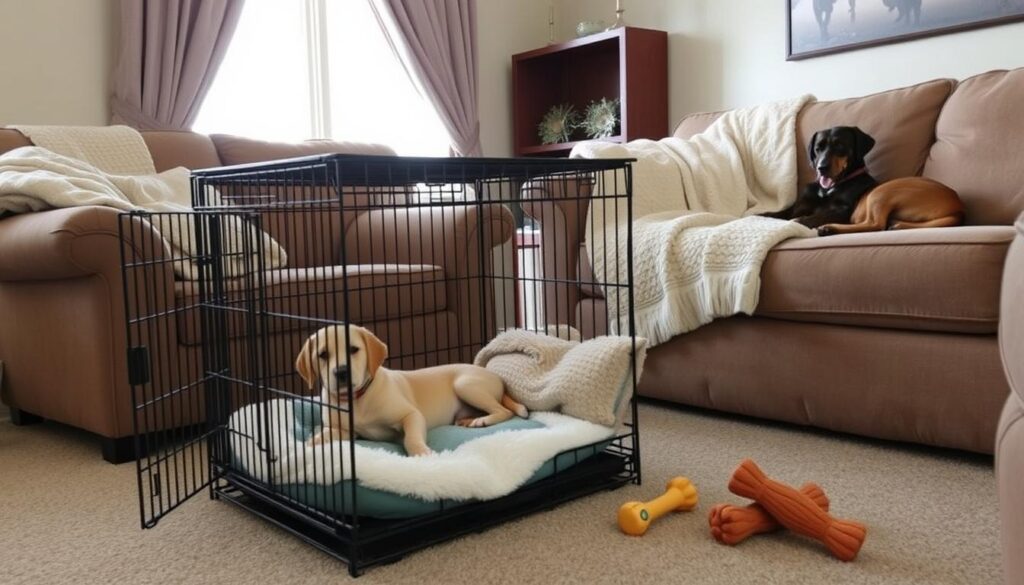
{"x":826,"y":230}
{"x":420,"y":451}
{"x":474,"y":423}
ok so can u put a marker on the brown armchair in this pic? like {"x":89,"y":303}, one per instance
{"x":62,"y":315}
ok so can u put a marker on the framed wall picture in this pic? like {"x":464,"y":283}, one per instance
{"x":822,"y":27}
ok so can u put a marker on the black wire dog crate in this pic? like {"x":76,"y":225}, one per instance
{"x":425,"y":254}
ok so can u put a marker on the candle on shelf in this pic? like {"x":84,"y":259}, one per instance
{"x":551,"y":23}
{"x":618,"y":16}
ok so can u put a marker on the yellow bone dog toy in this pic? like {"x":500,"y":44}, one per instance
{"x":679,"y":496}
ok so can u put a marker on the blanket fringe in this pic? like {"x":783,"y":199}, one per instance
{"x":687,"y":307}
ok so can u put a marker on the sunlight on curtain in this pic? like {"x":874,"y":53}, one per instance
{"x":372,"y":98}
{"x":263,"y":88}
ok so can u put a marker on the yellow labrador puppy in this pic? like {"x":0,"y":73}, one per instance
{"x":390,"y":403}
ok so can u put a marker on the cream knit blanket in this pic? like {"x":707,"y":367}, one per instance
{"x":697,"y":244}
{"x":591,"y":380}
{"x":117,"y":150}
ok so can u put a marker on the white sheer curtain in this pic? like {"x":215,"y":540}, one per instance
{"x":261,"y":89}
{"x":264,"y":88}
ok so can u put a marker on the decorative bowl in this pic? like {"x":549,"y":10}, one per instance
{"x":589,"y":27}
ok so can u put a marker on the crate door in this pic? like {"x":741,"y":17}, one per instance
{"x":178,"y":407}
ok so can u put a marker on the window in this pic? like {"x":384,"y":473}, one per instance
{"x":302,"y":69}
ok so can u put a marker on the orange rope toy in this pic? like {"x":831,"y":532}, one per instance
{"x":798,"y":512}
{"x":733,"y":524}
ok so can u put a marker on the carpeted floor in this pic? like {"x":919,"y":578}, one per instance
{"x":68,"y":517}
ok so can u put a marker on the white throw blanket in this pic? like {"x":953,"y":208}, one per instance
{"x":697,"y":245}
{"x":592,"y":380}
{"x":35,"y":179}
{"x":485,"y":468}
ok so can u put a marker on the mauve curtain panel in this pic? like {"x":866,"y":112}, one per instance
{"x":436,"y":42}
{"x":169,"y":54}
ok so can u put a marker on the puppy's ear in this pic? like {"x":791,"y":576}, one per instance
{"x":864,"y":142}
{"x":810,"y":147}
{"x":376,"y":351}
{"x":304,"y":363}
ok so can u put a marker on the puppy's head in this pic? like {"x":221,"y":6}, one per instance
{"x":837,"y":152}
{"x":335,"y":360}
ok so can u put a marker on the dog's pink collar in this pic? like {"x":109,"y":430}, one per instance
{"x":855,"y":173}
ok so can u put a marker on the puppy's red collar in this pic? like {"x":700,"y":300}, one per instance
{"x":358,"y":393}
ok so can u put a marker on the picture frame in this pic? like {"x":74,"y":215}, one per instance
{"x":824,"y":27}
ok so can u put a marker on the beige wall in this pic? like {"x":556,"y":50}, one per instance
{"x":506,"y":27}
{"x":729,"y":53}
{"x":55,"y":61}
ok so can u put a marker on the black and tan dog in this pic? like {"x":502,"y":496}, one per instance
{"x":846,"y":199}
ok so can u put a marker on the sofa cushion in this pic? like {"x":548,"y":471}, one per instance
{"x":929,"y":279}
{"x":695,"y":124}
{"x":235,"y":150}
{"x":171,"y":149}
{"x":979,"y":144}
{"x":377,"y":292}
{"x":311,"y":239}
{"x":902,"y":122}
{"x":939,"y":279}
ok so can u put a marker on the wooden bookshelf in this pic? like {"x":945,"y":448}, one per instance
{"x":626,"y":63}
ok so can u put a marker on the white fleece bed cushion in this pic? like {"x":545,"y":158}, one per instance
{"x":484,"y":468}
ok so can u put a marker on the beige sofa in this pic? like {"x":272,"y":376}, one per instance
{"x":62,"y":315}
{"x":889,"y":335}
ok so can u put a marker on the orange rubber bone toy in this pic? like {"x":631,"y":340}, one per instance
{"x":679,"y":496}
{"x":797,"y":512}
{"x":733,"y":524}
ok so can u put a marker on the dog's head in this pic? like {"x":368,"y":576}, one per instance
{"x":837,"y":152}
{"x":339,"y":355}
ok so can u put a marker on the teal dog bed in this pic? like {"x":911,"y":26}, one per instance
{"x":335,"y":497}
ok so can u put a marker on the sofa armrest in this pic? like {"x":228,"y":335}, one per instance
{"x":447,"y":236}
{"x":64,"y":266}
{"x":67,"y":243}
{"x":559,"y":204}
{"x":1010,"y":437}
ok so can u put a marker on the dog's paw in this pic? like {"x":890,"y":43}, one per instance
{"x":826,"y":230}
{"x":420,"y":451}
{"x":473,"y":423}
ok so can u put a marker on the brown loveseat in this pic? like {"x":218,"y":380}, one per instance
{"x":62,"y":315}
{"x":889,"y":335}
